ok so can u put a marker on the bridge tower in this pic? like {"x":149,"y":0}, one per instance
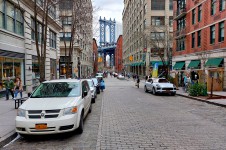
{"x":103,"y":32}
{"x":107,"y":39}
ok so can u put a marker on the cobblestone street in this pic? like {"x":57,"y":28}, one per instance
{"x":125,"y":117}
{"x":133,"y":119}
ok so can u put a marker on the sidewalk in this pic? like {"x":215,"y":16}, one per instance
{"x":7,"y":120}
{"x":180,"y":92}
{"x":218,"y":102}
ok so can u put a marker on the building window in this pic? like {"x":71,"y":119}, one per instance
{"x":2,"y":14}
{"x":157,"y":35}
{"x":11,"y":67}
{"x":222,"y":5}
{"x":181,"y":23}
{"x":171,"y":21}
{"x":52,"y":39}
{"x":213,"y":7}
{"x":199,"y":13}
{"x":39,"y":30}
{"x":199,"y":38}
{"x":193,"y":16}
{"x":145,"y":9}
{"x":193,"y":40}
{"x":157,"y":20}
{"x":181,"y":4}
{"x":212,"y":34}
{"x":52,"y":12}
{"x":66,"y":36}
{"x":158,"y":5}
{"x":67,"y":20}
{"x":171,"y":5}
{"x":221,"y":32}
{"x":11,"y":18}
{"x":180,"y":44}
{"x":145,"y":24}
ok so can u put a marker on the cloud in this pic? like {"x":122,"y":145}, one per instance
{"x":109,"y":9}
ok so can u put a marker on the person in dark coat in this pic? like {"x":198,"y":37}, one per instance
{"x":138,"y":81}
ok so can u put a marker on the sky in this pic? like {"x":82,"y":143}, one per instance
{"x":109,"y":9}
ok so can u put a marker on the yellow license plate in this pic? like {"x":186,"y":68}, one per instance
{"x":40,"y":126}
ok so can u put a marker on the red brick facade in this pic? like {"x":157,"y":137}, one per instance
{"x":199,"y":28}
{"x":95,"y":54}
{"x":207,"y":20}
{"x":118,"y":55}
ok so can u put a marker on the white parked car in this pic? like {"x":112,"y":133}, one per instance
{"x":100,"y":74}
{"x":121,"y":77}
{"x":55,"y":106}
{"x":159,"y":85}
{"x":92,"y":89}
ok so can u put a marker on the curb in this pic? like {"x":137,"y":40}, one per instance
{"x":7,"y":138}
{"x":201,"y":100}
{"x":98,"y":146}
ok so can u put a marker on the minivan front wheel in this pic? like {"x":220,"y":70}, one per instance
{"x":81,"y":125}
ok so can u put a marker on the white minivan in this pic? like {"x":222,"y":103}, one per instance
{"x":55,"y":106}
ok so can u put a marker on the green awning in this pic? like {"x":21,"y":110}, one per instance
{"x":179,"y":65}
{"x":142,"y":63}
{"x":214,"y":62}
{"x":152,"y":63}
{"x":195,"y":64}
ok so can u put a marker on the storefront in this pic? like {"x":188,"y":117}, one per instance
{"x":11,"y":65}
{"x":180,"y":67}
{"x":216,"y":71}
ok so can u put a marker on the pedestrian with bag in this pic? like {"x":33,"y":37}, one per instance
{"x":9,"y":86}
{"x":18,"y":88}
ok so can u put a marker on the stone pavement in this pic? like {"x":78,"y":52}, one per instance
{"x":7,"y":120}
{"x":133,"y":119}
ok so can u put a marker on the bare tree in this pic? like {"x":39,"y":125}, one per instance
{"x":160,"y":40}
{"x":43,"y":9}
{"x":203,"y":56}
{"x":76,"y":14}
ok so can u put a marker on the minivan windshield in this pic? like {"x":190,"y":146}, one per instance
{"x":57,"y":89}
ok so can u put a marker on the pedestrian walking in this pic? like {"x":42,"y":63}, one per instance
{"x":138,"y":81}
{"x":9,"y":86}
{"x":146,"y":78}
{"x":18,"y":88}
{"x":102,"y":85}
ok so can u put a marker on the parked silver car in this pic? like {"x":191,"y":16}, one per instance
{"x":92,"y":89}
{"x":159,"y":86}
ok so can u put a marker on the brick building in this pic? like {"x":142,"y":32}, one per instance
{"x":118,"y":55}
{"x":95,"y":55}
{"x":199,"y":44}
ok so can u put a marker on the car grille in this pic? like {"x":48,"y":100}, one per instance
{"x":43,"y":114}
{"x":49,"y":129}
{"x":167,"y":88}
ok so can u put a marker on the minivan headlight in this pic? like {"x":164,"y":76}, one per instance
{"x":70,"y":110}
{"x":21,"y":112}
